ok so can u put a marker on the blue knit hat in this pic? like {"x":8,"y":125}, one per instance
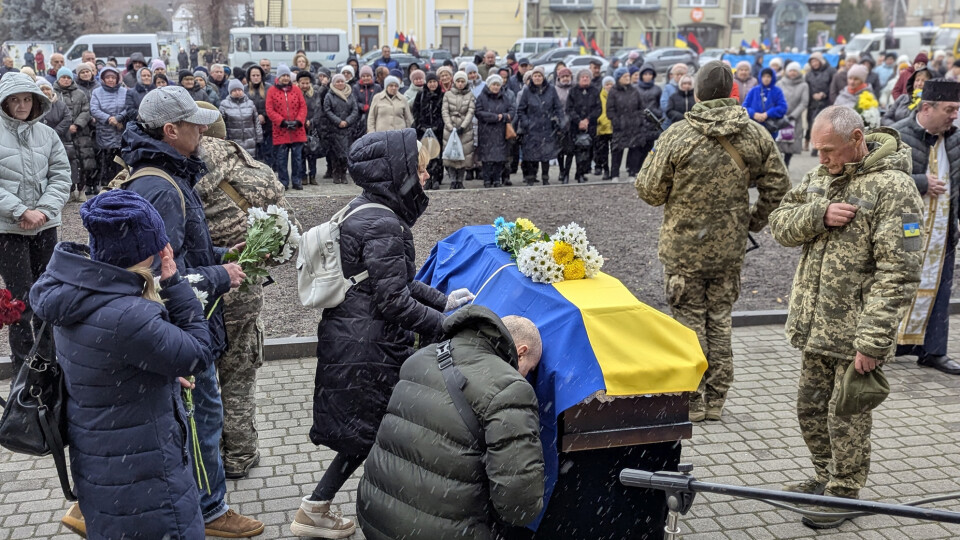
{"x":282,"y":70}
{"x":124,"y":228}
{"x":64,"y":72}
{"x":620,"y":72}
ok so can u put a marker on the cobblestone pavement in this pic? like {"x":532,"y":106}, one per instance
{"x":916,"y":454}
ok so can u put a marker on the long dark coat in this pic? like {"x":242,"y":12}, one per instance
{"x":540,"y":118}
{"x":625,"y":109}
{"x":78,"y":101}
{"x":491,"y":133}
{"x":127,"y":430}
{"x":337,"y":110}
{"x":362,"y":342}
{"x":428,"y":112}
{"x":583,"y":103}
{"x":680,"y":104}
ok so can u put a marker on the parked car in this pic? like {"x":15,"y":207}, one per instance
{"x":402,"y":58}
{"x":624,"y":54}
{"x":663,"y":59}
{"x":576,"y":62}
{"x":553,"y":55}
{"x":433,"y":58}
{"x":709,"y":55}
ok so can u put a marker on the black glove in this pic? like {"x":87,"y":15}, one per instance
{"x":297,"y":124}
{"x":461,"y":130}
{"x":288,"y":124}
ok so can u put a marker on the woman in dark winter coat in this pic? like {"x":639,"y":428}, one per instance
{"x":540,"y":118}
{"x":81,"y":132}
{"x":135,"y":95}
{"x":565,"y":158}
{"x":625,"y":109}
{"x":583,"y":112}
{"x":241,"y":118}
{"x":428,"y":114}
{"x":363,"y":92}
{"x":908,"y":102}
{"x":113,"y":329}
{"x":681,"y":101}
{"x":340,"y":108}
{"x":86,"y":78}
{"x":189,"y":83}
{"x":363,"y":341}
{"x":257,"y":92}
{"x":818,"y":81}
{"x":314,"y":112}
{"x":494,"y":111}
{"x":650,"y":95}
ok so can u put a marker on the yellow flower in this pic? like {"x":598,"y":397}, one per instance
{"x":867,"y":101}
{"x":562,"y":253}
{"x":574,"y":270}
{"x":526,"y":224}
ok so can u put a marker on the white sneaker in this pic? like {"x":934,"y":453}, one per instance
{"x":315,"y":520}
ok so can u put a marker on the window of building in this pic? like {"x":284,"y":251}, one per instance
{"x":571,"y":3}
{"x":699,"y":3}
{"x":744,"y":8}
{"x":450,"y":38}
{"x":627,"y":5}
{"x":262,"y":43}
{"x":616,"y":39}
{"x":284,"y":43}
{"x":369,"y":37}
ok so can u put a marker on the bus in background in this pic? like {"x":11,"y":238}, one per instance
{"x":948,"y":38}
{"x":324,"y":47}
{"x":120,"y":46}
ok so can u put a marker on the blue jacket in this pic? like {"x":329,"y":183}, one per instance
{"x":189,"y":236}
{"x":104,"y":103}
{"x":768,"y":99}
{"x":389,"y":64}
{"x":126,"y":427}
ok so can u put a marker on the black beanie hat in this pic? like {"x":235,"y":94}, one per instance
{"x":714,"y":81}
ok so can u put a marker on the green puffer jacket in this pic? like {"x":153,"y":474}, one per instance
{"x":854,"y":282}
{"x":708,"y":213}
{"x":424,"y":479}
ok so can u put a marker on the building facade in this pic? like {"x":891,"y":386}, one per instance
{"x":447,"y":24}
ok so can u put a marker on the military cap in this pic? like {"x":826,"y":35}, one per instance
{"x":861,"y":393}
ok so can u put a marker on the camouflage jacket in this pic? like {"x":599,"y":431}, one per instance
{"x":708,"y":213}
{"x":253,"y":181}
{"x":854,"y":282}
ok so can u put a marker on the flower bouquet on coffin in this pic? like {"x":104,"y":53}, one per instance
{"x":549,"y":259}
{"x":272,"y":239}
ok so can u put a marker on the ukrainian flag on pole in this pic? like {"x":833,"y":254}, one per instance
{"x":680,"y":42}
{"x":867,"y":27}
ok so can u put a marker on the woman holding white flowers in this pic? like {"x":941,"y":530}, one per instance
{"x":363,"y":341}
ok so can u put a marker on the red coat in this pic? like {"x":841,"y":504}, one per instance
{"x":287,"y":104}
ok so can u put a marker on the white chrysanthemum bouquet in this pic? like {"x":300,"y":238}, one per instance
{"x":271,"y":237}
{"x":566,"y":255}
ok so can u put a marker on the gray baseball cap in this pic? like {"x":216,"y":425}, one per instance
{"x":172,"y":104}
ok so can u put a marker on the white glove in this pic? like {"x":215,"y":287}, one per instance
{"x":458,"y":298}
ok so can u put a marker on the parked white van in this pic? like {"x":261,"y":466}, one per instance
{"x":120,"y":46}
{"x":324,"y":47}
{"x":903,"y":41}
{"x":530,"y":46}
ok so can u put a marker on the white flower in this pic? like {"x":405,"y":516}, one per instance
{"x":536,"y":262}
{"x":194,"y":278}
{"x":156,"y":283}
{"x":202,"y":296}
{"x":871,"y":117}
{"x":256,"y":214}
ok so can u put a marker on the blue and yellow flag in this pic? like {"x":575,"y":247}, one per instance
{"x":596,"y":335}
{"x":396,"y":40}
{"x":679,"y":42}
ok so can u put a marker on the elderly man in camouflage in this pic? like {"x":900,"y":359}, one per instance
{"x":701,"y":170}
{"x":236,"y":182}
{"x":857,"y":218}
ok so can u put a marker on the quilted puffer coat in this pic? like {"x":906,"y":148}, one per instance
{"x":459,"y":107}
{"x":425,"y":478}
{"x":104,"y":103}
{"x":363,"y":341}
{"x":34,"y":169}
{"x":243,"y":126}
{"x":388,"y":113}
{"x":286,"y":103}
{"x":337,"y":109}
{"x":79,"y":103}
{"x":121,"y":356}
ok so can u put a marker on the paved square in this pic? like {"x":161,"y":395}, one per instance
{"x":916,"y":453}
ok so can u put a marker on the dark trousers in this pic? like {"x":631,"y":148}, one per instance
{"x":565,"y":159}
{"x":435,"y":169}
{"x":601,"y":151}
{"x":514,"y":163}
{"x":293,"y":154}
{"x":265,"y":151}
{"x":338,"y":163}
{"x":24,"y":258}
{"x":635,"y":157}
{"x":584,"y":157}
{"x":530,"y":169}
{"x":492,"y":171}
{"x":309,"y":164}
{"x":108,"y":167}
{"x":786,"y":159}
{"x":935,"y":338}
{"x":337,"y":474}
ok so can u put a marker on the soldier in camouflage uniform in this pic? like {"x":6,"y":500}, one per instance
{"x":707,"y":218}
{"x":857,"y":217}
{"x":255,"y":185}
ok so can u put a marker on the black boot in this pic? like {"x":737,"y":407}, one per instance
{"x":606,"y":173}
{"x":546,"y":180}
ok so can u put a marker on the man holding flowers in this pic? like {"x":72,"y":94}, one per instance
{"x":701,"y":170}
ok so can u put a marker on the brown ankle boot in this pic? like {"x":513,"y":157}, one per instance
{"x":233,"y":525}
{"x":314,"y":519}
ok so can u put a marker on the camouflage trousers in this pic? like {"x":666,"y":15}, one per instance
{"x":705,"y":305}
{"x":839,"y":445}
{"x":238,"y":375}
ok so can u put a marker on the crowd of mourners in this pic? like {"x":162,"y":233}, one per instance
{"x":291,"y":117}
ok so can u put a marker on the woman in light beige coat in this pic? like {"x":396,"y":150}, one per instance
{"x":458,"y":109}
{"x":389,"y":110}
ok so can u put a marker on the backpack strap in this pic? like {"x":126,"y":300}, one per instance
{"x":154,"y":171}
{"x":342,"y":216}
{"x":725,"y":143}
{"x":234,"y":195}
{"x":455,"y":381}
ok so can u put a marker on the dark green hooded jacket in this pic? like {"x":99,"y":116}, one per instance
{"x":425,"y":477}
